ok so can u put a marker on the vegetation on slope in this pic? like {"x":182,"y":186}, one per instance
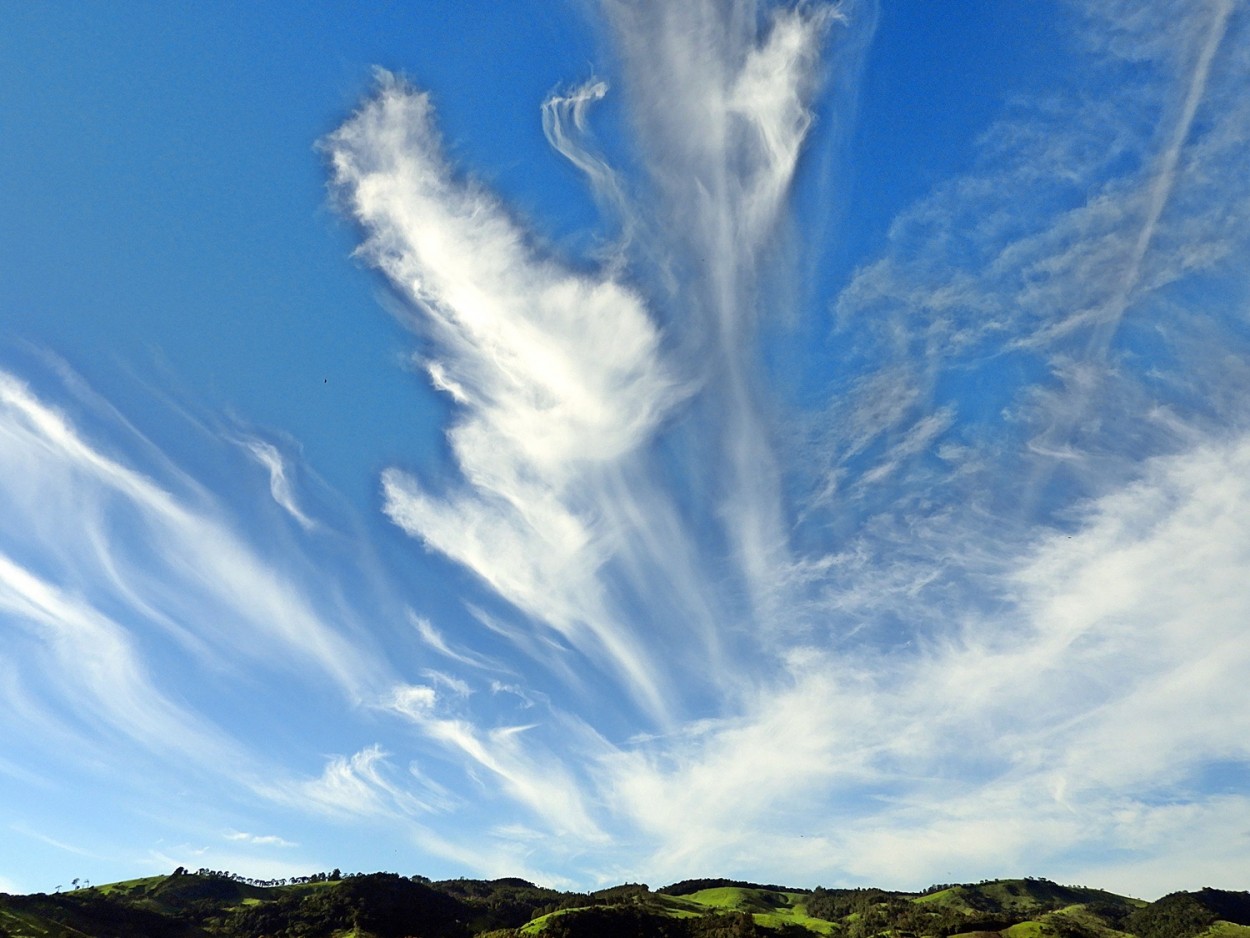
{"x":384,"y":905}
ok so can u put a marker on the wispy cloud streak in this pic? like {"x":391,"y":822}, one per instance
{"x":566,"y":126}
{"x":721,"y":96}
{"x":558,"y":376}
{"x":1018,"y":277}
{"x":53,"y":475}
{"x":269,"y":456}
{"x":97,"y":676}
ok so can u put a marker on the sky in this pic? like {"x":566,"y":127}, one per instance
{"x":616,"y":440}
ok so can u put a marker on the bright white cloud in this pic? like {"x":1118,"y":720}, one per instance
{"x":722,"y":100}
{"x":558,"y":375}
{"x":132,"y":608}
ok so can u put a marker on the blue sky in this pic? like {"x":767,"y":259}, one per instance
{"x":626,"y":441}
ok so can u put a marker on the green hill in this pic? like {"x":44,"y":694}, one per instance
{"x":385,"y":905}
{"x":1016,"y":895}
{"x":1209,"y":912}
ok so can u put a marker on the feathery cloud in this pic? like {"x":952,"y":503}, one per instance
{"x":559,"y":374}
{"x":269,"y":456}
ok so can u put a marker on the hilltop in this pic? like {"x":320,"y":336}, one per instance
{"x":211,"y":904}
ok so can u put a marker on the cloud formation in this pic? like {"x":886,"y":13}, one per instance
{"x":977,"y":612}
{"x":942,"y":621}
{"x":269,"y":456}
{"x":557,"y":375}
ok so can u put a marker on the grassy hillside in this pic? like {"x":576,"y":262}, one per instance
{"x":384,"y":905}
{"x":769,"y":907}
{"x":1016,"y":895}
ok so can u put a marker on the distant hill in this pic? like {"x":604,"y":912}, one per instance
{"x":208,"y":904}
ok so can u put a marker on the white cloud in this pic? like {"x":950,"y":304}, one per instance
{"x":1177,"y":846}
{"x":184,"y":569}
{"x":360,"y":784}
{"x":1049,"y":275}
{"x":560,"y":490}
{"x":279,"y":485}
{"x":1059,"y":725}
{"x":558,"y":375}
{"x":97,"y":675}
{"x":259,"y":840}
{"x":703,"y":797}
{"x":53,"y":842}
{"x":533,"y":776}
{"x":566,"y":128}
{"x":935,"y":681}
{"x":722,"y":98}
{"x":1149,"y":598}
{"x":435,"y":640}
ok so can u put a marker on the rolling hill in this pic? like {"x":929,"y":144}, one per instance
{"x":208,"y":904}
